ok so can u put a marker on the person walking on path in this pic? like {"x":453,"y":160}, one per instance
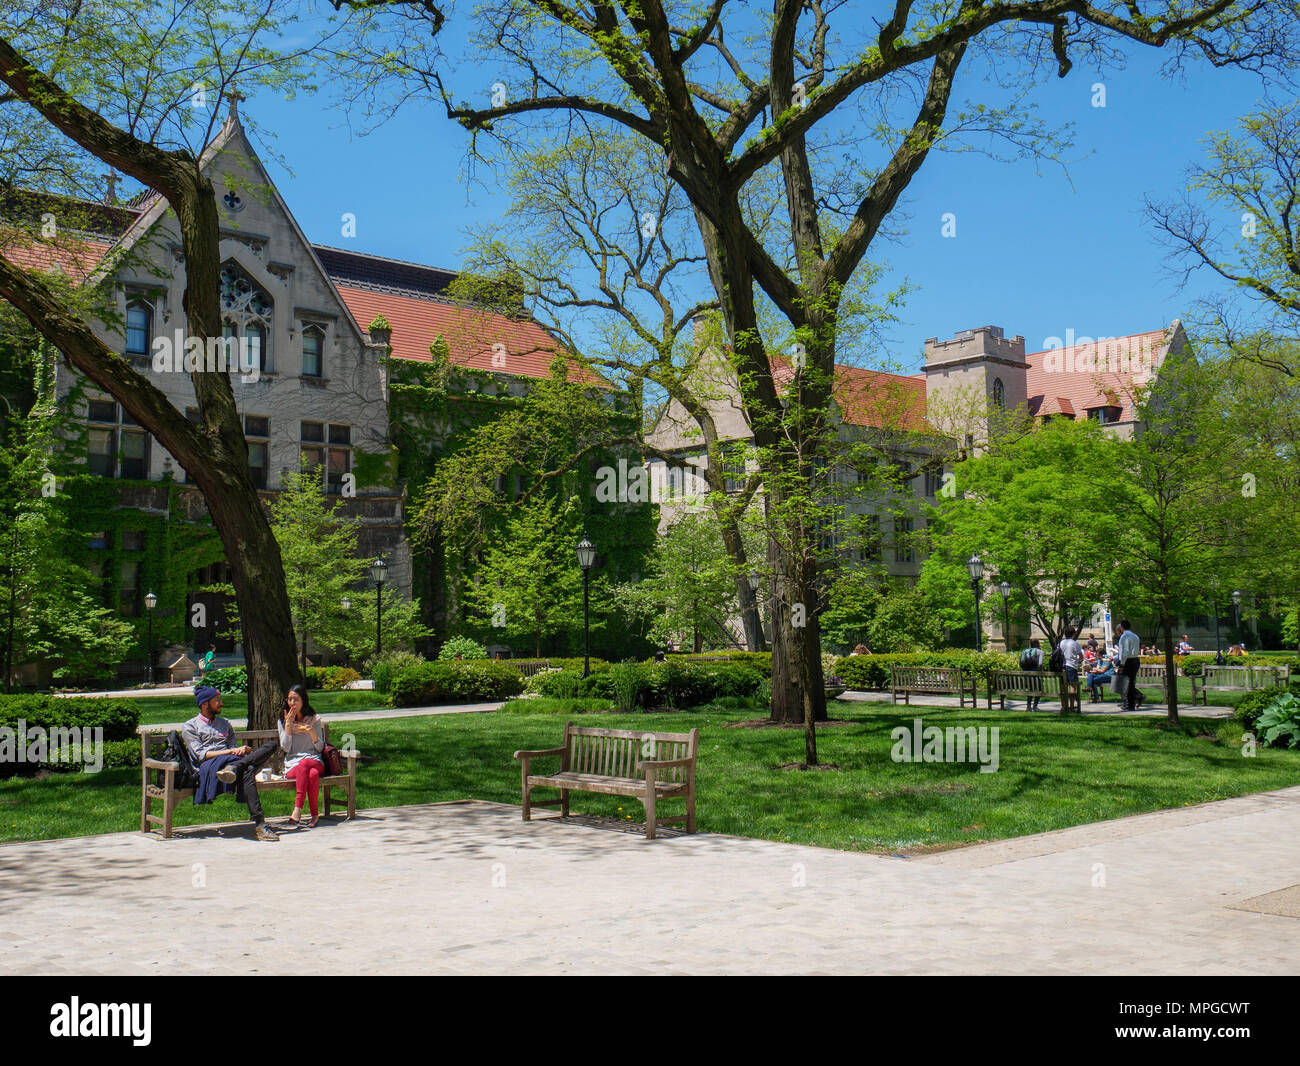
{"x":1128,"y":659}
{"x":211,"y":740}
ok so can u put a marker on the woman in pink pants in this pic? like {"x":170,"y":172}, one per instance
{"x":302,"y":738}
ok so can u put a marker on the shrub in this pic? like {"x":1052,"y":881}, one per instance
{"x":455,"y":682}
{"x":556,"y":684}
{"x":227,"y":679}
{"x":873,"y":671}
{"x":117,"y":718}
{"x":627,"y":680}
{"x":1279,"y":723}
{"x":331,"y":678}
{"x":465,"y":647}
{"x":383,"y":668}
{"x":1251,"y":706}
{"x":679,"y":684}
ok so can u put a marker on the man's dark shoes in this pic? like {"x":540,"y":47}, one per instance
{"x":265,"y":832}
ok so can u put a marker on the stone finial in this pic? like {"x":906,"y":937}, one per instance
{"x":234,"y":97}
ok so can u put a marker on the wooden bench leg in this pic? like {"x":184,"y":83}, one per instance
{"x":649,"y":802}
{"x":690,"y":806}
{"x":528,"y":808}
{"x":564,"y":803}
{"x":352,"y":799}
{"x":169,"y":805}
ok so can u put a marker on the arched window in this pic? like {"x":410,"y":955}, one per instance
{"x":999,"y":394}
{"x":246,"y":311}
{"x":313,"y":352}
{"x":139,"y":327}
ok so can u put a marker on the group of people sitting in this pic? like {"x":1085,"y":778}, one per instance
{"x":225,"y":767}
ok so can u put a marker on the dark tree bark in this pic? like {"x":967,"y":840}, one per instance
{"x":213,"y":452}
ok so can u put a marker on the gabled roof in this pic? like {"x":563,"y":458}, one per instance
{"x":1101,"y":373}
{"x":410,"y":295}
{"x":870,"y":398}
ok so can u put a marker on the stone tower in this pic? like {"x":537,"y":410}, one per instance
{"x":976,"y":362}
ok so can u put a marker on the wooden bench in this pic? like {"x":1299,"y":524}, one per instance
{"x":153,"y":739}
{"x":1238,"y":679}
{"x":1033,"y":684}
{"x":909,"y":681}
{"x":527,"y":667}
{"x":619,"y":762}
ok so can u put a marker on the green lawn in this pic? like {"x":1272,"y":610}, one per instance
{"x":1054,"y":772}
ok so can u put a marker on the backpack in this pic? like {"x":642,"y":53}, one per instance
{"x":176,"y":751}
{"x":1056,"y":664}
{"x":1029,"y":660}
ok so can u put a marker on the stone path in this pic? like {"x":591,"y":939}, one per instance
{"x":468,"y":888}
{"x":1111,"y":707}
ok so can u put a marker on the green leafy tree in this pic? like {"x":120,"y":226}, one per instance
{"x":529,"y":586}
{"x":1037,"y":508}
{"x":689,"y":595}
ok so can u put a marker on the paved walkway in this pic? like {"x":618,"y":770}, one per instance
{"x":1111,"y":707}
{"x":468,"y":888}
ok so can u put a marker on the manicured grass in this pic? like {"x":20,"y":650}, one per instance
{"x":1054,"y":772}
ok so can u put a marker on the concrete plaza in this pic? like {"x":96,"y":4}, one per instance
{"x":469,"y":888}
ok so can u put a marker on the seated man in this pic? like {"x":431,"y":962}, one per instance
{"x":1100,"y":675}
{"x":223,"y":767}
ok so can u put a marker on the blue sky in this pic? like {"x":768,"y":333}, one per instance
{"x":1033,"y":253}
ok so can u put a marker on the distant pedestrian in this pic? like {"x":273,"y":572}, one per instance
{"x":1072,"y":654}
{"x":1031,"y":659}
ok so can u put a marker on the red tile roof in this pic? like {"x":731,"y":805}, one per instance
{"x":1100,"y":373}
{"x":870,"y":397}
{"x":76,"y":257}
{"x":470,"y":334}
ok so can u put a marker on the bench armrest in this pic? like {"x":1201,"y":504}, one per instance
{"x":533,"y":754}
{"x":158,"y":764}
{"x":350,"y":753}
{"x":660,"y":764}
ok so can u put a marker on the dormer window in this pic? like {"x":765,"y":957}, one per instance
{"x":139,"y":327}
{"x":313,"y":352}
{"x":1105,"y":415}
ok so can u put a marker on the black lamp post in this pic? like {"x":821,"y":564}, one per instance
{"x":1236,"y":622}
{"x":1218,"y":651}
{"x":1005,"y":589}
{"x":379,"y":574}
{"x":754,"y":582}
{"x":975,"y":565}
{"x":586,"y":559}
{"x":150,"y":602}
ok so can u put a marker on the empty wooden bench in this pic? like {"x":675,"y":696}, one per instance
{"x":1237,"y":679}
{"x":153,"y":740}
{"x":1032,"y":684}
{"x":909,"y":681}
{"x":651,"y":767}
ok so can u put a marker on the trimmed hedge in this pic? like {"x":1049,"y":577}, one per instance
{"x":331,"y":678}
{"x":672,"y":683}
{"x":118,"y":719}
{"x":872,"y":671}
{"x":458,"y":681}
